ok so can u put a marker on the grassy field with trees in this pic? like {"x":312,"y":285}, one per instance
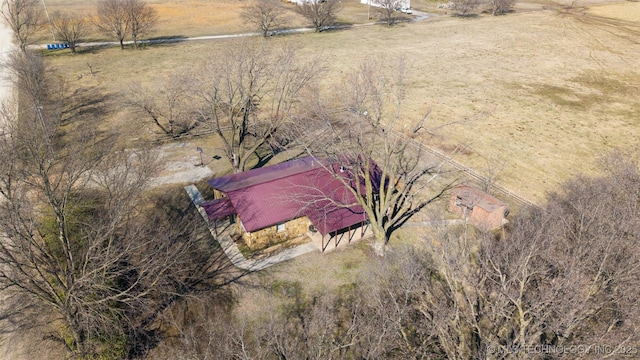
{"x":99,"y":261}
{"x":552,"y":109}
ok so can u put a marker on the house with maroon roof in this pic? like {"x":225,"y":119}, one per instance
{"x":286,"y":200}
{"x":481,"y":209}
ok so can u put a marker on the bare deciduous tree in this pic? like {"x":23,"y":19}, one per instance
{"x":23,"y":17}
{"x":171,"y":108}
{"x":122,"y":18}
{"x":70,"y":29}
{"x":250,"y":94}
{"x":388,"y":10}
{"x":492,"y":173}
{"x":112,"y":19}
{"x":265,"y":15}
{"x":321,"y":13}
{"x":388,"y":175}
{"x":74,"y":274}
{"x":141,"y":19}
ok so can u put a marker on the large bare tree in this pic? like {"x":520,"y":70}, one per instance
{"x":71,"y":29}
{"x":321,"y":13}
{"x":388,"y":175}
{"x":24,"y":17}
{"x":122,"y":18}
{"x":141,"y":19}
{"x":562,"y":277}
{"x":113,"y":20}
{"x":171,"y":108}
{"x":265,"y":15}
{"x":388,"y":10}
{"x":250,"y":95}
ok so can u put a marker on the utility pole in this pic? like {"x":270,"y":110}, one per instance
{"x":199,"y":149}
{"x":49,"y":18}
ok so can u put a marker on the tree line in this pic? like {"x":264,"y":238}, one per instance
{"x":120,"y":19}
{"x":89,"y":257}
{"x":133,"y":19}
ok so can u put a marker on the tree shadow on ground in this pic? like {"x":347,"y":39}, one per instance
{"x":84,"y":103}
{"x":201,"y":271}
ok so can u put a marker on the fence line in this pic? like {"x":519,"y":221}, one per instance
{"x":457,"y":165}
{"x":419,"y":145}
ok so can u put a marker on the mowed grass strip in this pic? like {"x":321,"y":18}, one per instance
{"x":545,"y":92}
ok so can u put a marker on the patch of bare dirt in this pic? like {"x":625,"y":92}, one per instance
{"x":180,"y":164}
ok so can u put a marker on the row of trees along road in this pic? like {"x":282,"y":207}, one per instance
{"x":269,"y":15}
{"x":120,"y":19}
{"x":89,"y":258}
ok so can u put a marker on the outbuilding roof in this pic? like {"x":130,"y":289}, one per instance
{"x":304,"y":187}
{"x":470,"y":196}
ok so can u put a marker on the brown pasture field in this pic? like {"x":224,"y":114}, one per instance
{"x":546,"y":90}
{"x":190,"y":18}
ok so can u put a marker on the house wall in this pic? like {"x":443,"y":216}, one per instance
{"x":217,"y":194}
{"x":495,"y":218}
{"x":266,"y":237}
{"x":485,"y":220}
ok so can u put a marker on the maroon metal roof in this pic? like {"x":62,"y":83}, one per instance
{"x":279,"y":193}
{"x":218,"y":209}
{"x":264,"y":174}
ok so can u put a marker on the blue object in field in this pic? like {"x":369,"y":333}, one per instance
{"x":57,"y":46}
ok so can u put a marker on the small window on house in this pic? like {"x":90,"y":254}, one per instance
{"x":280,"y":227}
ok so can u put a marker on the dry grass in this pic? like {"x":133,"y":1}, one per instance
{"x":627,"y":11}
{"x":200,"y":17}
{"x":550,"y":91}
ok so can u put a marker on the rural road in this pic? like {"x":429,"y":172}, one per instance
{"x":417,"y":16}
